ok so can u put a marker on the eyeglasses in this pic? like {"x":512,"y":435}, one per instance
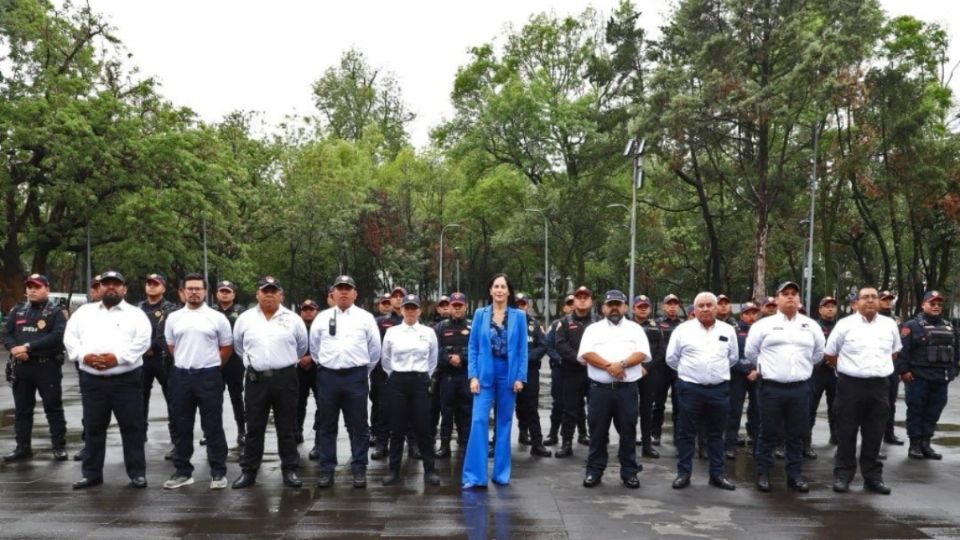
{"x":194,"y":289}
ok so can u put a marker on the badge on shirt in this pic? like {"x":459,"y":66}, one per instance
{"x":41,"y":324}
{"x":465,"y":331}
{"x":158,"y":314}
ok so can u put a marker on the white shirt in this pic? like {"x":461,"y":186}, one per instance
{"x":703,"y":355}
{"x":614,"y":343}
{"x":197,"y":335}
{"x":123,"y":330}
{"x":864,"y":349}
{"x":409,"y":348}
{"x":784,"y":350}
{"x":269,"y":344}
{"x":356,"y":342}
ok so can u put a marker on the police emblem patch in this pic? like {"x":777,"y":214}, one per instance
{"x":158,"y":314}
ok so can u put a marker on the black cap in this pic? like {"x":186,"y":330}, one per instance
{"x":520,"y":297}
{"x":458,"y":298}
{"x":722,"y":297}
{"x":156,"y":277}
{"x":308,"y":303}
{"x":442,"y":300}
{"x":411,"y":299}
{"x":827,"y":300}
{"x":37,"y":279}
{"x":403,"y":292}
{"x":582,"y":290}
{"x":888,"y":294}
{"x":769,"y":301}
{"x":227,"y":285}
{"x":568,"y":299}
{"x":788,"y":285}
{"x":748,"y":306}
{"x":932,"y":295}
{"x":95,"y":280}
{"x":113,"y":275}
{"x":671,"y":298}
{"x":613,"y":295}
{"x":344,"y":280}
{"x":267,"y":282}
{"x":385,"y":297}
{"x":641,"y":300}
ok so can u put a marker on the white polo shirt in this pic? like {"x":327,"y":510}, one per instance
{"x":197,"y":335}
{"x":703,"y":355}
{"x":269,"y":344}
{"x":614,"y":343}
{"x":409,"y":348}
{"x":123,"y":330}
{"x":356,"y":341}
{"x":784,"y":350}
{"x":864,"y":348}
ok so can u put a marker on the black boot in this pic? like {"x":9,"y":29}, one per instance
{"x":538,"y":449}
{"x":551,"y":438}
{"x":928,"y":451}
{"x":566,"y":450}
{"x":915,"y":451}
{"x":444,"y":451}
{"x":524,"y":438}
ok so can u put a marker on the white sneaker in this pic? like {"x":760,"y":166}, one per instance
{"x":177,"y":481}
{"x":218,"y":483}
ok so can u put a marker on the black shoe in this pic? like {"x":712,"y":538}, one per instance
{"x":763,"y":482}
{"x":722,"y":482}
{"x":169,"y":455}
{"x":881,"y":455}
{"x":246,"y":479}
{"x":551,"y":440}
{"x":431,"y":478}
{"x":325,"y":479}
{"x":380,"y":452}
{"x":682,"y":481}
{"x":60,"y":453}
{"x":584,"y":440}
{"x":565,"y":451}
{"x":840,"y":485}
{"x":314,"y":453}
{"x":701,"y":453}
{"x":891,"y":438}
{"x":730,"y":454}
{"x":591,"y":480}
{"x":798,"y":484}
{"x":655,"y":441}
{"x":741,"y":440}
{"x":928,"y":451}
{"x":809,"y":453}
{"x":241,"y":439}
{"x":203,"y":441}
{"x":85,"y":483}
{"x":915,"y":451}
{"x":876,"y":486}
{"x":524,"y":438}
{"x":391,"y":479}
{"x":290,"y":479}
{"x":650,"y":452}
{"x":833,"y":439}
{"x":444,"y":451}
{"x":540,"y":450}
{"x":81,"y":455}
{"x":20,"y":452}
{"x":631,"y":482}
{"x":299,"y":438}
{"x":359,"y":480}
{"x":138,"y":482}
{"x":413,"y":451}
{"x":778,"y":452}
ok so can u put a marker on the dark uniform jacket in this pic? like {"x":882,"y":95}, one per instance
{"x":658,"y":346}
{"x":551,"y":343}
{"x":569,"y":335}
{"x":453,"y":337}
{"x":743,"y":330}
{"x":41,"y":325}
{"x":536,"y":344}
{"x":666,"y":326}
{"x":929,"y":349}
{"x":157,"y":313}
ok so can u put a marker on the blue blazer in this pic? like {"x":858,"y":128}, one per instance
{"x":480,"y":358}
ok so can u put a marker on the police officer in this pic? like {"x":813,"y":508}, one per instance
{"x":109,"y":339}
{"x":824,"y":379}
{"x":768,"y":306}
{"x":575,"y":381}
{"x":442,"y":310}
{"x":456,"y":401}
{"x":157,"y":361}
{"x":928,"y":362}
{"x":887,"y":300}
{"x":307,"y":377}
{"x":384,"y":305}
{"x":33,"y":334}
{"x":642,"y":308}
{"x":233,"y":370}
{"x":528,"y":416}
{"x":742,"y":385}
{"x":379,"y":423}
{"x":723,"y":310}
{"x":556,"y":378}
{"x":664,"y":378}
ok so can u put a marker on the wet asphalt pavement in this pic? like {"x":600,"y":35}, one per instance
{"x":545,"y":499}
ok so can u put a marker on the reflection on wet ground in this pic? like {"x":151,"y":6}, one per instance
{"x":544,"y":501}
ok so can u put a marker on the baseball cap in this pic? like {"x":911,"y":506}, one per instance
{"x":458,"y":298}
{"x":788,"y":285}
{"x":113,"y":275}
{"x":932,"y":295}
{"x":37,"y":279}
{"x":748,"y":306}
{"x":308,"y":303}
{"x":520,"y":297}
{"x":613,"y":295}
{"x":827,"y":300}
{"x":267,"y":282}
{"x":344,"y":280}
{"x":641,"y":300}
{"x":442,"y":300}
{"x":582,"y":290}
{"x":227,"y":285}
{"x":156,"y":277}
{"x":671,"y":298}
{"x":411,"y":299}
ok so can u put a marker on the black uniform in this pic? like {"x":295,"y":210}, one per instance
{"x":647,"y":385}
{"x":740,"y":389}
{"x":528,"y":418}
{"x":664,"y":379}
{"x":823,"y":380}
{"x":930,"y":353}
{"x":307,"y":378}
{"x":575,"y":381}
{"x":233,"y":373}
{"x":379,"y":423}
{"x":456,"y":401}
{"x":157,"y":362}
{"x":41,"y":325}
{"x":893,"y":390}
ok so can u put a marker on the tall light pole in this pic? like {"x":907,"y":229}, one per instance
{"x":808,"y":271}
{"x":546,"y":264}
{"x":440,"y":283}
{"x":634,"y":150}
{"x":456,"y":250}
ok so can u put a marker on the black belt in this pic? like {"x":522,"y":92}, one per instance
{"x":408,"y":373}
{"x":778,"y":384}
{"x":614,"y":385}
{"x":343,"y":371}
{"x":40,"y":359}
{"x":719,"y":384}
{"x":271,"y":372}
{"x":199,"y":371}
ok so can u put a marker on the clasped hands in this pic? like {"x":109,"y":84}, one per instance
{"x":100,"y":361}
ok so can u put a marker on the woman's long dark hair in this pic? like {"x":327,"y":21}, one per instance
{"x":510,"y":301}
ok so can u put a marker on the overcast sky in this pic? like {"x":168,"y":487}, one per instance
{"x":216,"y":56}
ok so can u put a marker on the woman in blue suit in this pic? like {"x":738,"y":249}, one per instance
{"x":497,"y":368}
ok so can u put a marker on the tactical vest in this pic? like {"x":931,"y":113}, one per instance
{"x":936,"y":345}
{"x":454,"y":338}
{"x":26,"y":328}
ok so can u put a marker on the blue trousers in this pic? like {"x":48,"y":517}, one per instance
{"x":617,"y":403}
{"x":707,"y":404}
{"x":925,"y":401}
{"x":501,"y":396}
{"x":784,"y":416}
{"x":343,"y":390}
{"x":192,"y":390}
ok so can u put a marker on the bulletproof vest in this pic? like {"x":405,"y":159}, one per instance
{"x":453,"y":338}
{"x":743,"y":330}
{"x":936,"y":344}
{"x":232,"y":312}
{"x":654,"y":337}
{"x":575,"y":327}
{"x":384,"y":322}
{"x":31,"y":324}
{"x":827,"y":327}
{"x":667,"y":326}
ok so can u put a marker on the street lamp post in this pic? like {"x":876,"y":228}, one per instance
{"x":440,"y":283}
{"x":546,"y":264}
{"x":634,"y":150}
{"x":457,"y":251}
{"x":808,"y":271}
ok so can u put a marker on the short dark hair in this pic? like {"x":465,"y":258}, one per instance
{"x":193,"y":276}
{"x":510,"y":294}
